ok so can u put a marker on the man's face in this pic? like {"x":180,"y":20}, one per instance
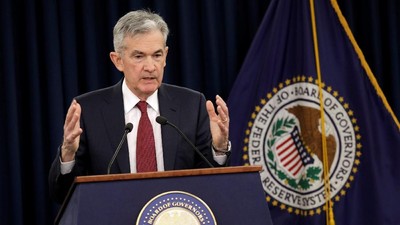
{"x":142,"y":62}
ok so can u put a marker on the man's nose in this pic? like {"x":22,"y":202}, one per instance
{"x":149,"y":64}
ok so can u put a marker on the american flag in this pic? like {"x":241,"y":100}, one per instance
{"x":292,"y":154}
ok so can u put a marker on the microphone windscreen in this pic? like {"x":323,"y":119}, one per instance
{"x":161,"y":120}
{"x":128,"y":127}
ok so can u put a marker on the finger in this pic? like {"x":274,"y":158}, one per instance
{"x":73,"y":130}
{"x":224,"y":128}
{"x":70,"y":112}
{"x":77,"y":115}
{"x":72,"y":125}
{"x":222,"y":109}
{"x":73,"y":117}
{"x":70,"y":138}
{"x":220,"y":102}
{"x":211,"y":110}
{"x":222,"y":116}
{"x":220,"y":99}
{"x":72,"y":134}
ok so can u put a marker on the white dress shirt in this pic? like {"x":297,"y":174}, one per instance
{"x":133,"y":114}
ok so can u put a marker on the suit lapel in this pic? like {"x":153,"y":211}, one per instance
{"x":170,"y":110}
{"x":114,"y":120}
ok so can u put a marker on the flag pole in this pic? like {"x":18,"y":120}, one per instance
{"x":328,"y":203}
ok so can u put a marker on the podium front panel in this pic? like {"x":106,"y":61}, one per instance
{"x":234,"y":199}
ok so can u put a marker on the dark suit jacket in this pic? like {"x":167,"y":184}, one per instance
{"x":103,"y":123}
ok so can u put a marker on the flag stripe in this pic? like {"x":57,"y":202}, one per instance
{"x":296,"y":164}
{"x":290,"y":146}
{"x":293,"y":154}
{"x":298,"y":169}
{"x":284,"y":142}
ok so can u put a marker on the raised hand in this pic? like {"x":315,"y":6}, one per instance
{"x":72,"y":132}
{"x":219,"y":123}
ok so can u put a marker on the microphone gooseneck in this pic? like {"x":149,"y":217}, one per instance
{"x":163,"y":121}
{"x":128,"y":128}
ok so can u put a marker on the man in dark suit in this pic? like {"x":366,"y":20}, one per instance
{"x":95,"y":121}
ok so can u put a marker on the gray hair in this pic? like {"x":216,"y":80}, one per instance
{"x":137,"y":22}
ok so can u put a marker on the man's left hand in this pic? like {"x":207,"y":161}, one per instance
{"x":219,"y":123}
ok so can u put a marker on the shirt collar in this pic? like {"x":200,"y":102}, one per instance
{"x":130,"y":99}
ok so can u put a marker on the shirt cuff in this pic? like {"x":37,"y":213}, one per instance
{"x":66,"y":167}
{"x":221,"y":158}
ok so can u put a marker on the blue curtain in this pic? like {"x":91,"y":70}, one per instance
{"x":53,"y":50}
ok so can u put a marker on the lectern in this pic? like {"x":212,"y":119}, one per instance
{"x":227,"y":196}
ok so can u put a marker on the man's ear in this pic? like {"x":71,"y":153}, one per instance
{"x":166,"y":53}
{"x":117,"y":60}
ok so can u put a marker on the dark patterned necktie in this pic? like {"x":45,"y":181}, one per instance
{"x":145,"y":145}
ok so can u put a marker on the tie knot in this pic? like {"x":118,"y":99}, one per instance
{"x":142,"y":105}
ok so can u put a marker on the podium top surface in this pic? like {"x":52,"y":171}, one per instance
{"x":173,"y":173}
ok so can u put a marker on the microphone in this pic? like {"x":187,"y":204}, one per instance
{"x":128,"y":128}
{"x":163,"y":121}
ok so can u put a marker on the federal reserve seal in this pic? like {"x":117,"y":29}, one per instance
{"x":176,"y":208}
{"x":284,"y":136}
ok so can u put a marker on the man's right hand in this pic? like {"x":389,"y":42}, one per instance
{"x":72,"y":132}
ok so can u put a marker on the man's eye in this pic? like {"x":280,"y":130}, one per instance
{"x":138,"y":56}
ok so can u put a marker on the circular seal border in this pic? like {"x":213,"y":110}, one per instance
{"x":342,"y":192}
{"x":176,"y":199}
